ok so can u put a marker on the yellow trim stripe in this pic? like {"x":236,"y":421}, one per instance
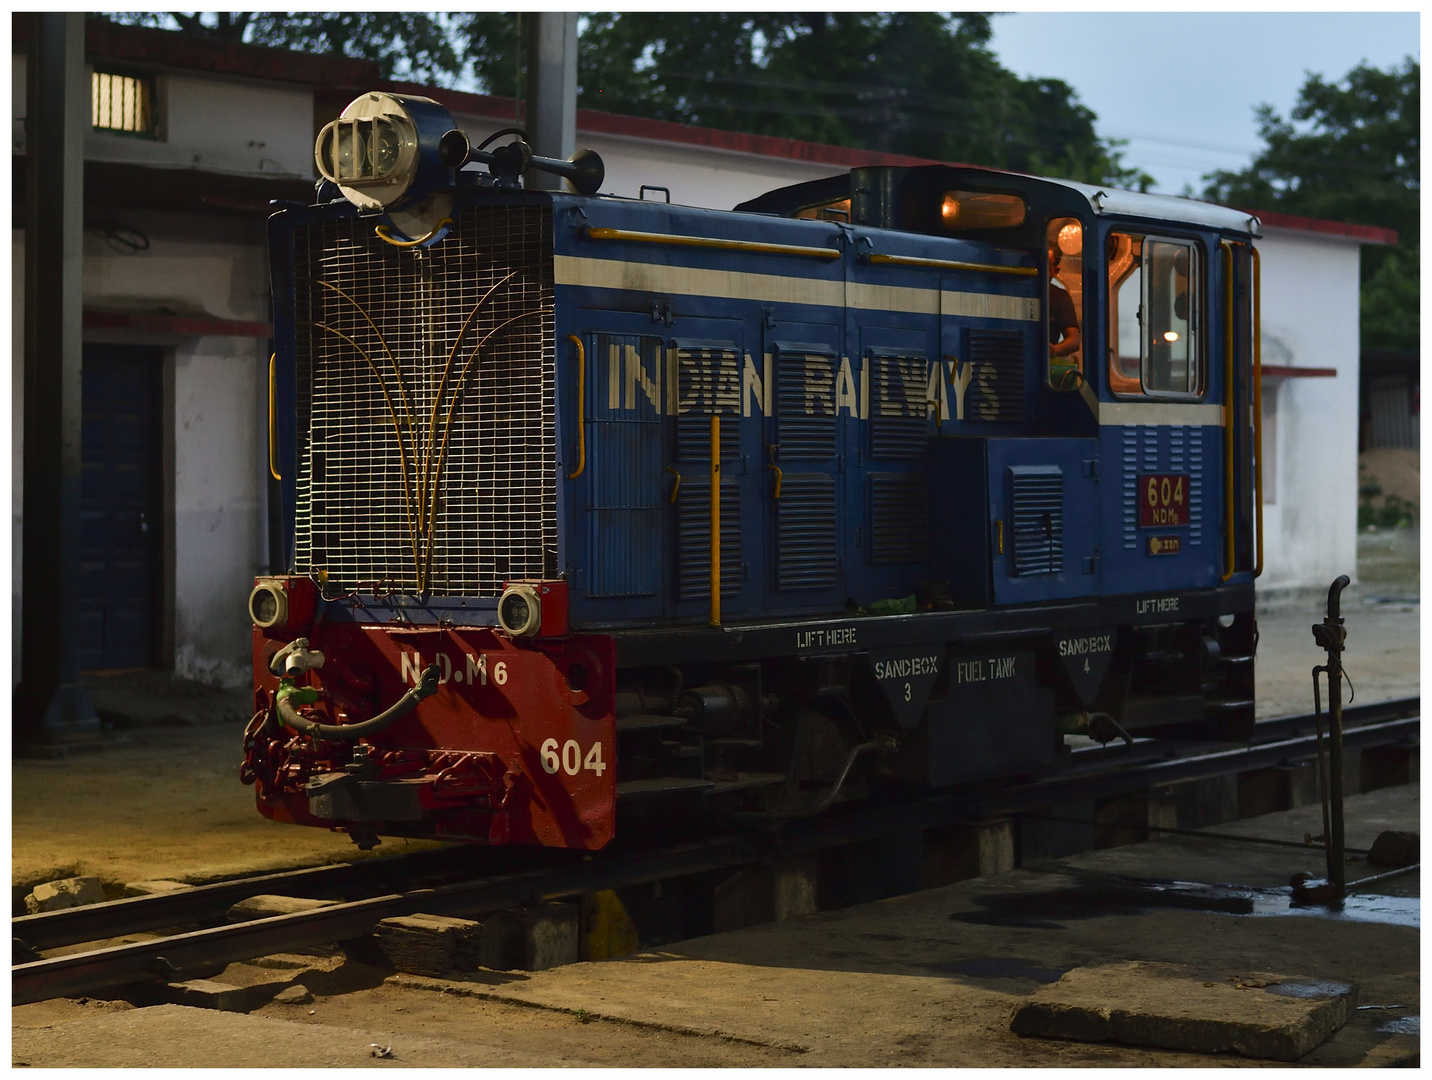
{"x":752,"y":246}
{"x":781,"y":289}
{"x":947,"y":264}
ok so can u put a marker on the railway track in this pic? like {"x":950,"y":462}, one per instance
{"x":445,"y":884}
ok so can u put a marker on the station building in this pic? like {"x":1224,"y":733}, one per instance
{"x":193,"y":138}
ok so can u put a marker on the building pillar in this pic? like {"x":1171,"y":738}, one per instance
{"x":51,"y":706}
{"x":551,"y":91}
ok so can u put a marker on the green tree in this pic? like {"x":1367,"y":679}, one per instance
{"x":916,"y":83}
{"x":408,"y":45}
{"x":1349,"y":152}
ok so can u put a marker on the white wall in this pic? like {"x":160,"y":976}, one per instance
{"x":697,"y":175}
{"x":218,"y":508}
{"x":1310,"y":319}
{"x":221,"y":125}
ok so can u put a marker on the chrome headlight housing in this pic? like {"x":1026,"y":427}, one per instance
{"x":520,"y":610}
{"x":382,"y":151}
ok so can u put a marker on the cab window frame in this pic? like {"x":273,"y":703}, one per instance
{"x":1053,"y":228}
{"x":1128,"y":387}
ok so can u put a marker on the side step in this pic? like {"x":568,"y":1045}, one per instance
{"x":745,"y":781}
{"x":661,"y":785}
{"x":647,"y":723}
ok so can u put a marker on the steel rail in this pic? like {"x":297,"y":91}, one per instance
{"x":205,"y":903}
{"x":183,"y":955}
{"x":1277,"y":742}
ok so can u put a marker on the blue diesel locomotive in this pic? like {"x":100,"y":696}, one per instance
{"x":596,"y":506}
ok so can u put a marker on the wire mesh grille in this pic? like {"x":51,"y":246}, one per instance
{"x":427,"y":461}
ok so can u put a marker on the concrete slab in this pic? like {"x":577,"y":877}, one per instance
{"x":1176,"y":1007}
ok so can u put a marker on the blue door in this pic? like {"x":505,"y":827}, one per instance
{"x":119,"y":507}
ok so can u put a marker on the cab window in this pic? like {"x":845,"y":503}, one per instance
{"x":1154,"y":316}
{"x":1064,"y":250}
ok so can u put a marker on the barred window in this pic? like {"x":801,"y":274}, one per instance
{"x":122,"y":103}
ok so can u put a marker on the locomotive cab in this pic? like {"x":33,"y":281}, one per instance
{"x":597,"y":508}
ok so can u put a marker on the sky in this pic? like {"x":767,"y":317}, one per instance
{"x":1181,"y":87}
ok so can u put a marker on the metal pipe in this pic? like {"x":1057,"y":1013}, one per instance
{"x":581,"y":407}
{"x":1230,"y":549}
{"x":715,"y":618}
{"x":1331,"y":635}
{"x":1258,"y":402}
{"x":273,"y":417}
{"x":427,"y":686}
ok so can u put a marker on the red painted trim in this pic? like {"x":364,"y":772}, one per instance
{"x":1367,"y":234}
{"x":184,"y":325}
{"x":1278,"y":371}
{"x":597,"y":122}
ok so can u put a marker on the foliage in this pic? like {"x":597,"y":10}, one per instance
{"x":406,"y":45}
{"x":1350,"y":152}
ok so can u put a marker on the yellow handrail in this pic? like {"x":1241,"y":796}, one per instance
{"x":385,"y":235}
{"x":947,"y":264}
{"x":273,"y":419}
{"x":753,"y":246}
{"x":581,"y":406}
{"x":1258,"y":400}
{"x":1229,"y":540}
{"x":715,"y":618}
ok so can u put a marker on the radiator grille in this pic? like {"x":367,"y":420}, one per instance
{"x":427,"y":458}
{"x":1037,"y":518}
{"x":624,"y":462}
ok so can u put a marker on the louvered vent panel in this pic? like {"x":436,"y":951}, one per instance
{"x":427,"y":456}
{"x":898,"y":426}
{"x":805,"y":406}
{"x":805,"y":517}
{"x":708,"y":381}
{"x":693,"y":527}
{"x":1130,"y":437}
{"x":899,"y":518}
{"x":624,"y":464}
{"x":1195,"y":487}
{"x":996,"y":392}
{"x":1037,"y":519}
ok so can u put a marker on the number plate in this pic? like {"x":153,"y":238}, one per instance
{"x":1163,"y":500}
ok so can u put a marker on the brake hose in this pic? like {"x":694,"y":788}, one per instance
{"x":427,"y":686}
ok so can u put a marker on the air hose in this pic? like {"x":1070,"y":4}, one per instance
{"x":289,"y":695}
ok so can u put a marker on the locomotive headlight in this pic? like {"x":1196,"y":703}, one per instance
{"x":520,"y":610}
{"x":382,"y":151}
{"x":268,"y":605}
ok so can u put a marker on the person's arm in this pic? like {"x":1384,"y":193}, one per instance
{"x":1069,"y":344}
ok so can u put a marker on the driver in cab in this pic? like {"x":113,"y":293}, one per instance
{"x":1064,"y":368}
